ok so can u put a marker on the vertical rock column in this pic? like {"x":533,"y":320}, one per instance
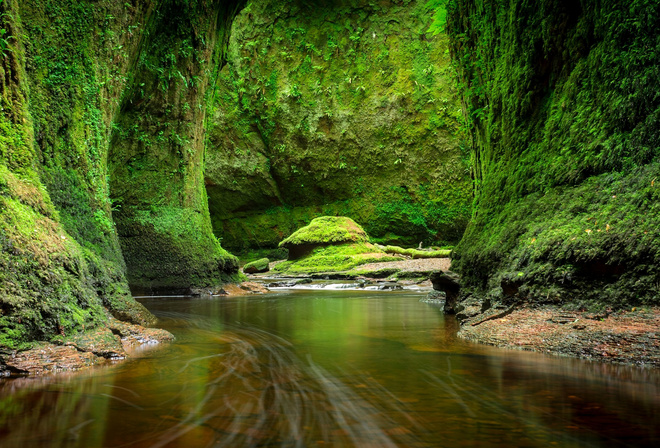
{"x":157,"y":150}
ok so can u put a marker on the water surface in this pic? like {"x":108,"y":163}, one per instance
{"x":321,"y":368}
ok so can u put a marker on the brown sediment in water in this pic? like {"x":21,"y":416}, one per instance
{"x":624,"y":337}
{"x":119,"y":340}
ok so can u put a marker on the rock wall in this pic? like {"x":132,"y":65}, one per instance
{"x":157,"y":149}
{"x":336,"y":108}
{"x":60,"y":264}
{"x":562,"y":99}
{"x":67,"y":84}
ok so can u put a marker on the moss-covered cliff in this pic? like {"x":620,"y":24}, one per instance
{"x":157,"y":149}
{"x":67,"y":80}
{"x":60,"y":263}
{"x":336,"y":108}
{"x":563,"y":102}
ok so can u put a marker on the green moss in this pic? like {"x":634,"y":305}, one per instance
{"x":157,"y":150}
{"x":336,"y":258}
{"x":253,"y":255}
{"x":353,"y":114}
{"x":417,"y":253}
{"x":565,"y":117}
{"x":257,"y":266}
{"x":327,"y":230}
{"x":60,"y":264}
{"x":66,"y":83}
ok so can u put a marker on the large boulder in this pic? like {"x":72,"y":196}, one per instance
{"x":257,"y":267}
{"x":323,"y":231}
{"x":329,"y":244}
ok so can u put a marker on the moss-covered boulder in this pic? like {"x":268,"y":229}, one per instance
{"x":257,"y":267}
{"x":323,"y":231}
{"x":335,"y":258}
{"x":329,"y":244}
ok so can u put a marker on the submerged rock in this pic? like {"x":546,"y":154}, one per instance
{"x":389,"y":286}
{"x":435,"y":297}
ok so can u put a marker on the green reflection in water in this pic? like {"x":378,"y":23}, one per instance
{"x":330,"y":368}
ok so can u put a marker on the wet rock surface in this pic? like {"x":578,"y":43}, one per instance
{"x":256,"y":267}
{"x":289,"y":283}
{"x":624,"y":337}
{"x":437,"y":297}
{"x":449,"y":283}
{"x":101,"y":345}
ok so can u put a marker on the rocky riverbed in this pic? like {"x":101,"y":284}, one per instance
{"x":101,"y":345}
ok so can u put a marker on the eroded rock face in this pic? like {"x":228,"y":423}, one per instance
{"x":70,"y":85}
{"x":157,"y":149}
{"x":336,"y":109}
{"x":61,"y":267}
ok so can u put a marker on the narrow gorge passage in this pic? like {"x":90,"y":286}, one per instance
{"x":320,"y":367}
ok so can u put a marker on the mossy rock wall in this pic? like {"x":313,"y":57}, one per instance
{"x":336,"y":108}
{"x":67,"y":77}
{"x":157,"y":149}
{"x":563,"y":103}
{"x":61,"y":267}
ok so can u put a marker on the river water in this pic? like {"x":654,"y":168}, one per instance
{"x":319,"y":368}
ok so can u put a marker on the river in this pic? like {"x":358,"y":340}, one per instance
{"x":330,"y":368}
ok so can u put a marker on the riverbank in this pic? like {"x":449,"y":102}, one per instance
{"x":113,"y":343}
{"x":118,"y":341}
{"x":623,"y":337}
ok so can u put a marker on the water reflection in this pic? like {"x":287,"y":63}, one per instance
{"x":331,"y":368}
